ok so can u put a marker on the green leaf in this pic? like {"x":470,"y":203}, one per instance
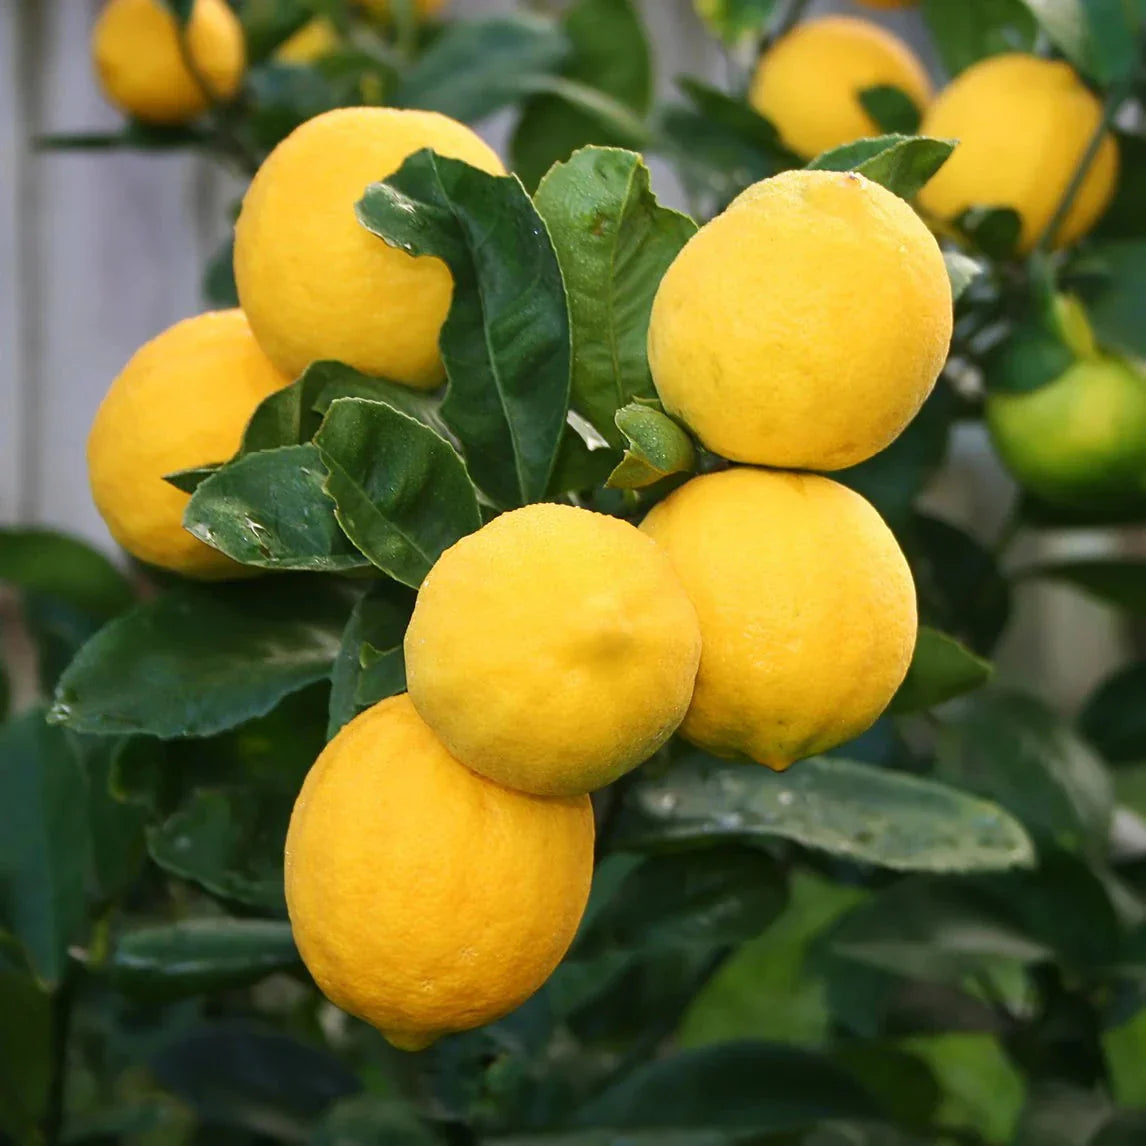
{"x":610,"y":54}
{"x":1059,"y":1113}
{"x":892,"y":109}
{"x":1114,"y":28}
{"x":401,"y":492}
{"x":722,"y":895}
{"x":228,"y":842}
{"x":506,"y":342}
{"x":580,"y":465}
{"x":25,"y":1054}
{"x":1013,"y":749}
{"x":44,"y":845}
{"x":191,"y":479}
{"x":476,"y":67}
{"x":1114,"y":718}
{"x":656,"y":447}
{"x":1034,"y":355}
{"x":368,"y":1118}
{"x":746,"y":1086}
{"x":174,"y":960}
{"x":1120,"y":584}
{"x":736,"y":21}
{"x":993,"y":230}
{"x":55,"y":565}
{"x":941,"y":668}
{"x":965,"y":31}
{"x":134,"y":136}
{"x":1065,"y":24}
{"x":180,"y":9}
{"x":270,"y":510}
{"x":1115,"y":294}
{"x":375,"y":629}
{"x":962,"y":270}
{"x":901,"y":163}
{"x":115,"y":824}
{"x":198,"y":660}
{"x":849,"y":809}
{"x":1125,"y":1128}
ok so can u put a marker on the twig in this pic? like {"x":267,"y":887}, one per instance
{"x":789,"y":17}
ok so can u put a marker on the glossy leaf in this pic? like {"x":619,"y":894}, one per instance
{"x":747,"y":1086}
{"x":1116,"y":294}
{"x":175,"y":960}
{"x":965,"y":31}
{"x":901,"y":163}
{"x":892,"y":109}
{"x":115,"y":824}
{"x":199,"y":660}
{"x":270,"y":510}
{"x":190,"y":480}
{"x":941,"y":668}
{"x":55,"y":565}
{"x":506,"y":342}
{"x":374,"y":632}
{"x":44,"y":847}
{"x":477,"y":66}
{"x":614,"y":242}
{"x":1121,"y":584}
{"x":655,"y":448}
{"x":401,"y":492}
{"x":839,"y":806}
{"x":25,"y":1054}
{"x":1114,"y":719}
{"x":610,"y":53}
{"x":1012,"y":749}
{"x":962,"y":270}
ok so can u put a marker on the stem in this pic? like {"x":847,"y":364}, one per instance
{"x":1114,"y":101}
{"x":58,"y":1088}
{"x":789,"y":17}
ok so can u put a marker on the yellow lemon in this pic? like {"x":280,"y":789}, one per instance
{"x":804,"y":327}
{"x":806,"y":607}
{"x":315,"y":39}
{"x":143,"y":69}
{"x":314,"y":282}
{"x":182,"y":401}
{"x":808,"y":83}
{"x":1023,"y":124}
{"x":424,"y":898}
{"x":1079,"y":441}
{"x":553,"y":650}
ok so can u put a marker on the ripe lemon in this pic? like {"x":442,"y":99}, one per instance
{"x":315,"y":39}
{"x":804,"y":327}
{"x":1023,"y":124}
{"x":424,"y":898}
{"x":1079,"y":441}
{"x":182,"y":401}
{"x":142,"y":69}
{"x":314,"y":282}
{"x":806,"y":606}
{"x":553,"y":650}
{"x":808,"y":83}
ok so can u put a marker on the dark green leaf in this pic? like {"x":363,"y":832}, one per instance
{"x":962,"y":270}
{"x":746,"y":1086}
{"x":1013,"y":749}
{"x":1121,"y":584}
{"x":134,"y":136}
{"x":180,"y":9}
{"x":401,"y":492}
{"x":993,"y":230}
{"x":280,"y":96}
{"x":219,"y":288}
{"x":270,"y":510}
{"x":115,"y":824}
{"x":44,"y":844}
{"x":378,"y":623}
{"x":25,"y":1054}
{"x":839,"y":806}
{"x":581,"y":466}
{"x":174,"y":960}
{"x":965,"y":31}
{"x":1114,"y":719}
{"x":655,"y":447}
{"x":1116,"y":294}
{"x":1113,"y":38}
{"x":369,"y":1119}
{"x":892,"y":109}
{"x":610,"y":54}
{"x":1034,"y":355}
{"x":199,"y":660}
{"x":614,"y":242}
{"x":506,"y":342}
{"x":55,"y":565}
{"x":227,"y":841}
{"x":941,"y":668}
{"x":1123,"y":219}
{"x":190,"y":480}
{"x":1065,"y":24}
{"x":476,"y":67}
{"x":901,"y":163}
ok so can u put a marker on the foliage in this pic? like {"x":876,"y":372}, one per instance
{"x":936,"y":934}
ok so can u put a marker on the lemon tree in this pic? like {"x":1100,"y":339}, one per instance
{"x":296,"y":845}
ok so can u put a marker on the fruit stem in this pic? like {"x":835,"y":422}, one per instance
{"x":789,"y":17}
{"x":1114,"y":101}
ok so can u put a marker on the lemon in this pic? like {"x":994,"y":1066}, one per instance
{"x":315,"y":39}
{"x":808,"y":83}
{"x":804,"y":327}
{"x":142,"y":68}
{"x":553,"y":650}
{"x":806,"y":607}
{"x":1023,"y":124}
{"x":423,"y":898}
{"x":182,"y":401}
{"x":1079,"y":441}
{"x":314,"y":282}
